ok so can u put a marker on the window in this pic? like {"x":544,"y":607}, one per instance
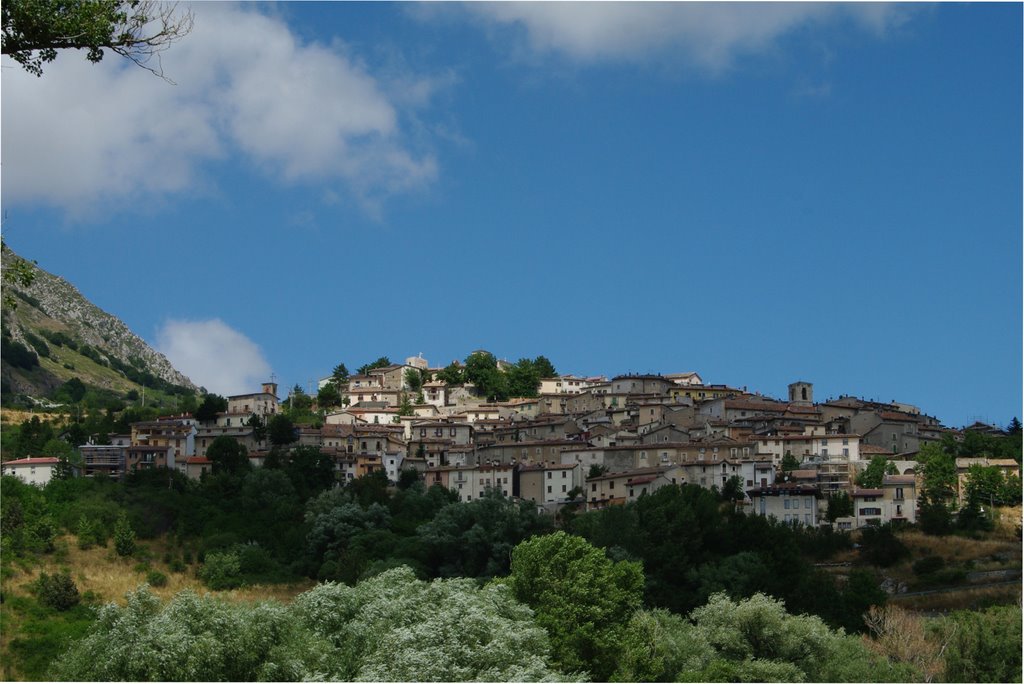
{"x":563,"y":488}
{"x":846,"y":453}
{"x":549,"y":474}
{"x":549,"y":489}
{"x":611,"y":484}
{"x":593,"y":487}
{"x":785,"y":504}
{"x":899,"y":494}
{"x":563,"y":474}
{"x":452,"y":432}
{"x":807,"y":502}
{"x":807,"y":518}
{"x":846,"y":441}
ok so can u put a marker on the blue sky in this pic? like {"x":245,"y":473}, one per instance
{"x":761,"y":193}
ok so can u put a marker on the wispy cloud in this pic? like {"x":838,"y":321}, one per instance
{"x":85,"y":136}
{"x":214,"y":355}
{"x":708,"y":36}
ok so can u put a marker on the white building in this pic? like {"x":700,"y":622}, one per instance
{"x":36,"y":471}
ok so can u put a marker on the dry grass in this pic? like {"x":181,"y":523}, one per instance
{"x":959,"y":549}
{"x":16,"y":417}
{"x":110,"y":577}
{"x":960,"y":600}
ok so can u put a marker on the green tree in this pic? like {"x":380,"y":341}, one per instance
{"x":482,"y":371}
{"x":310,"y":470}
{"x":210,"y":406}
{"x":57,"y":591}
{"x":225,"y":641}
{"x":984,"y":646}
{"x":476,"y":538}
{"x":872,"y":476}
{"x":790,"y":463}
{"x":879,"y":546}
{"x":584,"y":600}
{"x":985,"y":484}
{"x":221,"y":570}
{"x":840,"y":505}
{"x":124,"y":537}
{"x":298,"y":400}
{"x":452,"y":374}
{"x":73,"y":390}
{"x":228,"y":455}
{"x":34,"y":30}
{"x":523,"y":379}
{"x":259,"y":427}
{"x":282,"y":430}
{"x":404,"y":405}
{"x":755,"y":639}
{"x":544,"y":368}
{"x":732,"y":490}
{"x":382,"y":362}
{"x":394,"y":627}
{"x":328,"y":396}
{"x":414,"y":379}
{"x":938,"y":471}
{"x":1014,"y":428}
{"x":340,"y":375}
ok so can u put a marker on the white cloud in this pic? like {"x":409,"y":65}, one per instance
{"x":708,"y":35}
{"x":213,"y":355}
{"x":87,"y":136}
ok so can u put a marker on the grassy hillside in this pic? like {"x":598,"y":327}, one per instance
{"x":32,"y":634}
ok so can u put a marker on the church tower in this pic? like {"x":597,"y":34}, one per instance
{"x":801,"y":393}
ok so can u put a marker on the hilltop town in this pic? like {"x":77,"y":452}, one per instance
{"x":586,"y":442}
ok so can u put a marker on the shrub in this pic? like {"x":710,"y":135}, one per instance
{"x":57,"y":591}
{"x":124,"y":537}
{"x":142,"y":568}
{"x":928,"y":565}
{"x":155,"y":578}
{"x":221,"y":571}
{"x":90,"y":533}
{"x":879,"y":546}
{"x":176,"y":566}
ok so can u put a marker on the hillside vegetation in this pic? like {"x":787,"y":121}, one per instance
{"x":52,"y":334}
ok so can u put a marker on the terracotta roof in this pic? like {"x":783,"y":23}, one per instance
{"x":197,"y":460}
{"x":898,"y":417}
{"x":35,"y":460}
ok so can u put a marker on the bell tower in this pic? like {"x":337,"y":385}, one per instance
{"x":801,"y":393}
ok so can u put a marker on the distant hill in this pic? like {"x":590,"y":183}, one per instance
{"x":55,"y":334}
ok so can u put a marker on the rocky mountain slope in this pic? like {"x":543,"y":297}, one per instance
{"x":72,"y":337}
